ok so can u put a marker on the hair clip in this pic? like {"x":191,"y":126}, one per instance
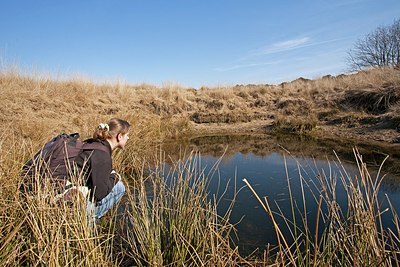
{"x":104,"y":126}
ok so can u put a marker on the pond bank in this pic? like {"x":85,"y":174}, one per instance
{"x":259,"y":157}
{"x":375,"y":145}
{"x":369,"y":134}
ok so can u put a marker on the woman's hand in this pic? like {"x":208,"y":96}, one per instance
{"x":116,"y":174}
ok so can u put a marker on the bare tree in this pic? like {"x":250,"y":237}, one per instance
{"x":380,"y":48}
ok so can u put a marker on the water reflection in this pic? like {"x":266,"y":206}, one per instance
{"x":294,"y":145}
{"x":266,"y":162}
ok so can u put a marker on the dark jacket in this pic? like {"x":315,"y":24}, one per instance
{"x":97,"y":167}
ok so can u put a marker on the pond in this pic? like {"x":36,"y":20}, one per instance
{"x":273,"y":165}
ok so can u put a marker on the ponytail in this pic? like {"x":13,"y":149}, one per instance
{"x":114,"y":127}
{"x":102,"y":132}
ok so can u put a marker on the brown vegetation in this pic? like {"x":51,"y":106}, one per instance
{"x":363,"y":105}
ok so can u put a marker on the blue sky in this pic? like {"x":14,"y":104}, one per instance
{"x":192,"y":43}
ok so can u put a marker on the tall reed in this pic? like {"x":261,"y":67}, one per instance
{"x":343,"y":235}
{"x":37,"y":230}
{"x":171,"y":221}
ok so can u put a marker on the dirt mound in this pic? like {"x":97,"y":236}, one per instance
{"x":372,"y":100}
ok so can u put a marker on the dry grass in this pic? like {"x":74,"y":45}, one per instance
{"x":343,"y":235}
{"x":170,"y":220}
{"x":34,"y":109}
{"x":372,"y":101}
{"x":37,"y":230}
{"x":72,"y":105}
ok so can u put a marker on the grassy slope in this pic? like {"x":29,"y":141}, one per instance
{"x":361,"y":106}
{"x":40,"y":107}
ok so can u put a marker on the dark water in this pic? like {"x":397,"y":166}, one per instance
{"x":271,"y":164}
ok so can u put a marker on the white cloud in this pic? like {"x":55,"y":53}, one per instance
{"x":284,"y":46}
{"x":249,"y":65}
{"x":290,"y":45}
{"x":258,"y":54}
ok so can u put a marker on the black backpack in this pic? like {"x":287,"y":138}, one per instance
{"x":56,"y":161}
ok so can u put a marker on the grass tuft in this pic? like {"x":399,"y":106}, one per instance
{"x":349,"y":235}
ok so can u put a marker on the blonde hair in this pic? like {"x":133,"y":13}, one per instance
{"x":112,"y":128}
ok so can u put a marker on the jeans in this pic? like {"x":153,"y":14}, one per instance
{"x":96,"y":211}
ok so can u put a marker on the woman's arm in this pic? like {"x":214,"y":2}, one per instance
{"x":102,"y":179}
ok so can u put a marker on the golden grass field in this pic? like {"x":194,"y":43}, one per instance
{"x":363,"y":107}
{"x":39,"y":107}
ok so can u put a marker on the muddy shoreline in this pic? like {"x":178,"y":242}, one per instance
{"x":368,"y":135}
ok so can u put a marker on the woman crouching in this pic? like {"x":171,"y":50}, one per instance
{"x":105,"y":185}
